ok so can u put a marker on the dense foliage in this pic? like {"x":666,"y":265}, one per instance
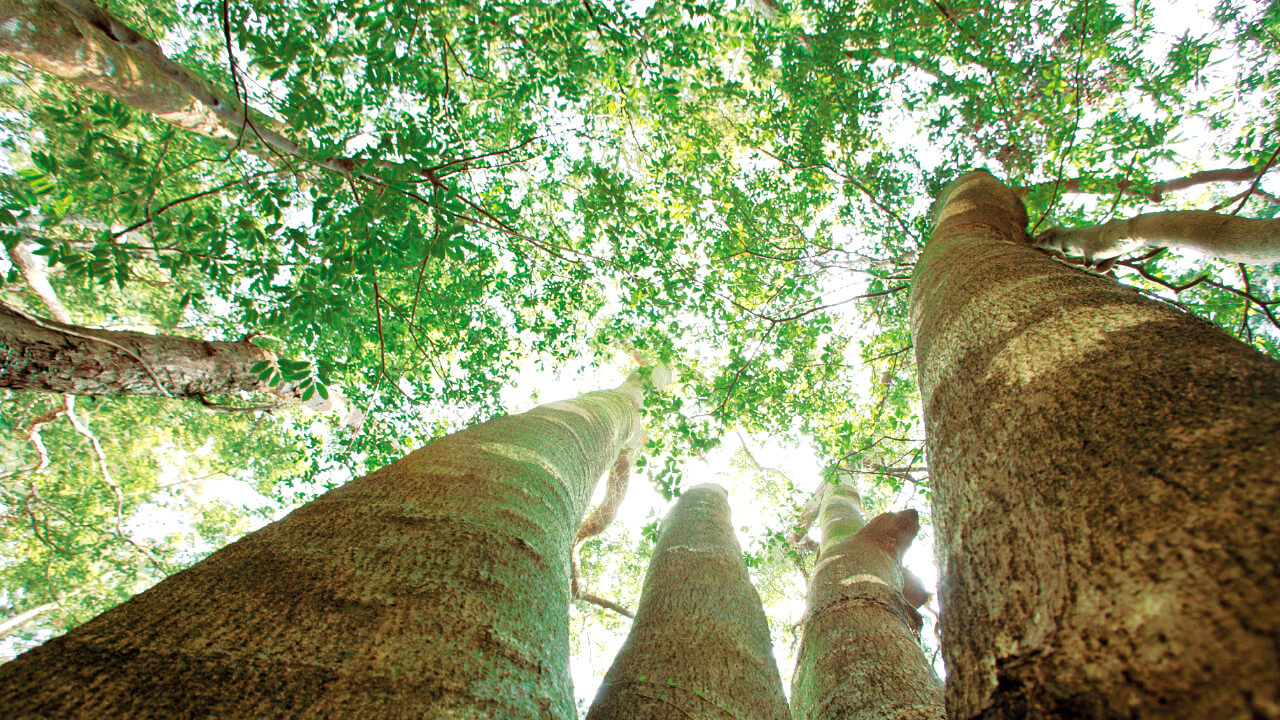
{"x":480,"y":188}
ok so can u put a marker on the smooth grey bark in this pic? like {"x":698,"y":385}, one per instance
{"x":49,"y":356}
{"x":1237,"y":239}
{"x":860,"y":657}
{"x":699,"y":647}
{"x":1106,"y":480}
{"x":435,"y":587}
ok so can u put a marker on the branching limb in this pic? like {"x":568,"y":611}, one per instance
{"x":1158,"y":190}
{"x":607,"y":604}
{"x":1266,"y":306}
{"x":1228,"y":237}
{"x":35,"y":274}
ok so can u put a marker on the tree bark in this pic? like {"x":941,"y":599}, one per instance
{"x":52,"y":38}
{"x":699,"y":647}
{"x":82,"y":43}
{"x":1237,"y":239}
{"x":860,"y":656}
{"x":35,"y":272}
{"x":50,"y":356}
{"x":1104,"y":473}
{"x":437,"y":586}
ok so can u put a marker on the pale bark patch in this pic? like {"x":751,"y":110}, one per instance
{"x":1041,"y":347}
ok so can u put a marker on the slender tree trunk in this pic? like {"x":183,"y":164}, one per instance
{"x":1105,"y":489}
{"x":860,"y":657}
{"x":50,"y":356}
{"x":80,"y":42}
{"x":699,"y":647}
{"x":437,"y":586}
{"x":35,"y":272}
{"x":15,"y":623}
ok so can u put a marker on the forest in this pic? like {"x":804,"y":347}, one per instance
{"x":644,"y":359}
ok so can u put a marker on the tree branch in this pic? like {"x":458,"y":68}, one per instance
{"x":1159,"y":189}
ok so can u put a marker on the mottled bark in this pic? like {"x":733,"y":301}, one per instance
{"x":860,"y":656}
{"x":1245,"y":240}
{"x":80,"y":42}
{"x":435,"y":587}
{"x":52,"y":38}
{"x":49,"y":356}
{"x":1105,"y":491}
{"x":699,"y":647}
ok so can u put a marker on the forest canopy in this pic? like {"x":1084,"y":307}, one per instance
{"x":428,"y":211}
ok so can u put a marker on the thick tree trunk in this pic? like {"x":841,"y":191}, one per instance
{"x":1237,"y":239}
{"x":860,"y":657}
{"x":435,"y":587}
{"x":49,"y":356}
{"x":1105,"y":489}
{"x":699,"y":647}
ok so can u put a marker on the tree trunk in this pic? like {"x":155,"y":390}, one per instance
{"x":50,"y":37}
{"x":437,"y":586}
{"x":35,"y":272}
{"x":1232,"y":238}
{"x":699,"y":647}
{"x":82,"y":43}
{"x":49,"y":356}
{"x":1105,"y":489}
{"x":860,"y":657}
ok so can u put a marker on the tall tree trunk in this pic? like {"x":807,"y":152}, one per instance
{"x":1105,"y":489}
{"x":699,"y":647}
{"x":437,"y":586}
{"x":860,"y":657}
{"x":50,"y":356}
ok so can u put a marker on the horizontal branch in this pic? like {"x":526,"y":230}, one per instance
{"x":1158,"y":190}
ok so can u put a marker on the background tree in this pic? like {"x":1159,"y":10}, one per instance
{"x":861,"y":655}
{"x":699,"y":646}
